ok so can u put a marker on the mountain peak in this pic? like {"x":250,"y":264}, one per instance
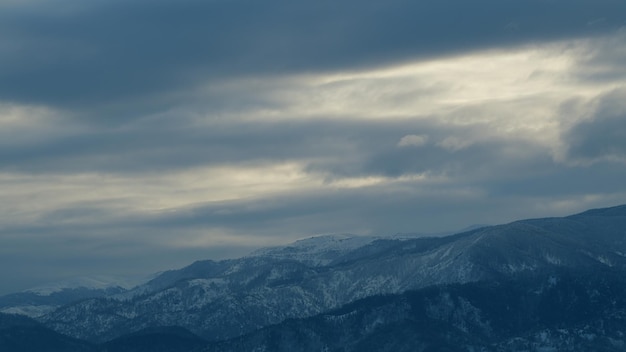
{"x":317,"y":250}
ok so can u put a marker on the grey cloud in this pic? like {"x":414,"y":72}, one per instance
{"x":604,"y":60}
{"x":154,"y":146}
{"x":377,"y":154}
{"x":380,"y":209}
{"x":117,"y":52}
{"x":603,"y":137}
{"x":100,"y":240}
{"x":333,"y":148}
{"x":127,"y":74}
{"x":402,"y":207}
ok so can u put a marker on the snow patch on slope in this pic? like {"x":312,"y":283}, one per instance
{"x":316,"y":251}
{"x":31,"y":311}
{"x":91,"y":282}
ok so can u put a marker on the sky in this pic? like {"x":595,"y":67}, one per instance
{"x":140,"y":136}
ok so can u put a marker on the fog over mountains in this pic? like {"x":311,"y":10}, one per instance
{"x":535,"y":285}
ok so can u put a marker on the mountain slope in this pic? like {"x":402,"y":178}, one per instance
{"x":220,"y":300}
{"x":43,"y":299}
{"x":35,"y":304}
{"x":21,"y":334}
{"x":562,"y":311}
{"x":162,"y":339}
{"x":316,"y":251}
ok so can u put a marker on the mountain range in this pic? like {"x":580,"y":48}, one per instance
{"x":531,"y":285}
{"x":44,"y":299}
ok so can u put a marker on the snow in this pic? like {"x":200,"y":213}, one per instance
{"x":29,"y":310}
{"x":340,"y":242}
{"x":318,"y":250}
{"x":98,"y":282}
{"x":604,"y":260}
{"x":552,"y":259}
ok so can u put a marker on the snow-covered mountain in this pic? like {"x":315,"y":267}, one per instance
{"x":40,"y":300}
{"x":325,"y":249}
{"x":96,"y":282}
{"x":566,"y":310}
{"x":316,"y":251}
{"x":229,"y":298}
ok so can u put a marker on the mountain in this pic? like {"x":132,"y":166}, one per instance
{"x":230,"y":298}
{"x":562,"y":311}
{"x":316,"y":251}
{"x":44,"y":299}
{"x":160,"y":339}
{"x":21,"y":334}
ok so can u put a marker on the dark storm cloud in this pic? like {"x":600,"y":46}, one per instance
{"x":88,"y":55}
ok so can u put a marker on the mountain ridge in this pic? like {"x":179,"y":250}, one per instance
{"x":560,"y":311}
{"x":43,"y":299}
{"x":225,"y":299}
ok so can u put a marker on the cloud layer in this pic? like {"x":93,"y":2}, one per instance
{"x":140,"y":137}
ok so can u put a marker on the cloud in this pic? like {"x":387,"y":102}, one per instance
{"x":151,"y":134}
{"x":413,"y":140}
{"x":454,"y":144}
{"x":602,"y":137}
{"x":602,"y":61}
{"x":317,"y":119}
{"x":115,"y":56}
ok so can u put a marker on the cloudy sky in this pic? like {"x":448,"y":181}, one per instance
{"x":138,"y":136}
